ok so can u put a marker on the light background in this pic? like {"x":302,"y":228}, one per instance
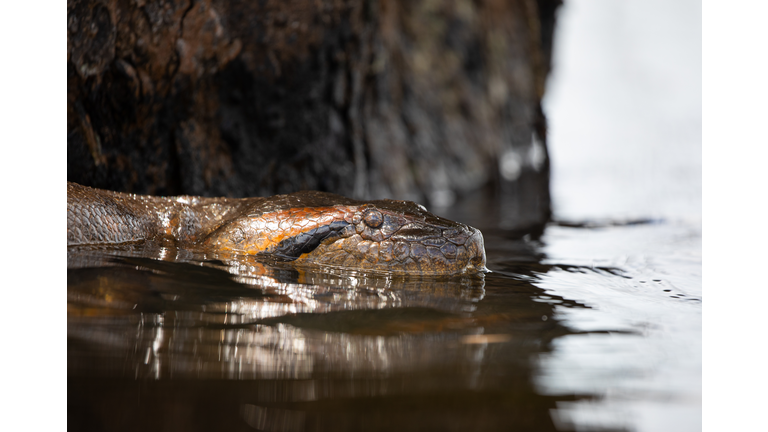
{"x":624,"y":109}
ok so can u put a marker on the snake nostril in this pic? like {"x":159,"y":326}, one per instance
{"x":373,"y":218}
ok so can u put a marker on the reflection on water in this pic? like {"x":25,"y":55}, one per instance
{"x":654,"y":381}
{"x":163,"y":339}
{"x":194,"y":319}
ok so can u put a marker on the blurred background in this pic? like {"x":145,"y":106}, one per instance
{"x":624,"y":108}
{"x":427,"y":101}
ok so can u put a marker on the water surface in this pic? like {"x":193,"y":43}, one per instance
{"x":587,"y":327}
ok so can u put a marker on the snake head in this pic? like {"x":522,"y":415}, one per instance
{"x":401,"y":237}
{"x":315,"y":228}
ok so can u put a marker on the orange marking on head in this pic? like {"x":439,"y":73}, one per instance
{"x":279,"y":226}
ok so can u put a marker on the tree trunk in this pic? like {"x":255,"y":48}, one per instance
{"x":420,"y":100}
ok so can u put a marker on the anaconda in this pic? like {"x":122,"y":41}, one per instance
{"x":309,"y":227}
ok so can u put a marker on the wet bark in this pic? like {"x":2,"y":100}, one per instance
{"x":420,"y":100}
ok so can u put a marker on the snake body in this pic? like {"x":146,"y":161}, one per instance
{"x":309,"y":227}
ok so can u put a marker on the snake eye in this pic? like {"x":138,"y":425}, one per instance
{"x":373,"y":218}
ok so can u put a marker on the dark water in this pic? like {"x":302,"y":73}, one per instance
{"x":585,"y":328}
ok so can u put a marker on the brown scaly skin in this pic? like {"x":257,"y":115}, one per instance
{"x":310,"y":228}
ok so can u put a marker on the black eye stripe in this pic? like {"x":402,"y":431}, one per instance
{"x":337,"y":225}
{"x":305,"y":242}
